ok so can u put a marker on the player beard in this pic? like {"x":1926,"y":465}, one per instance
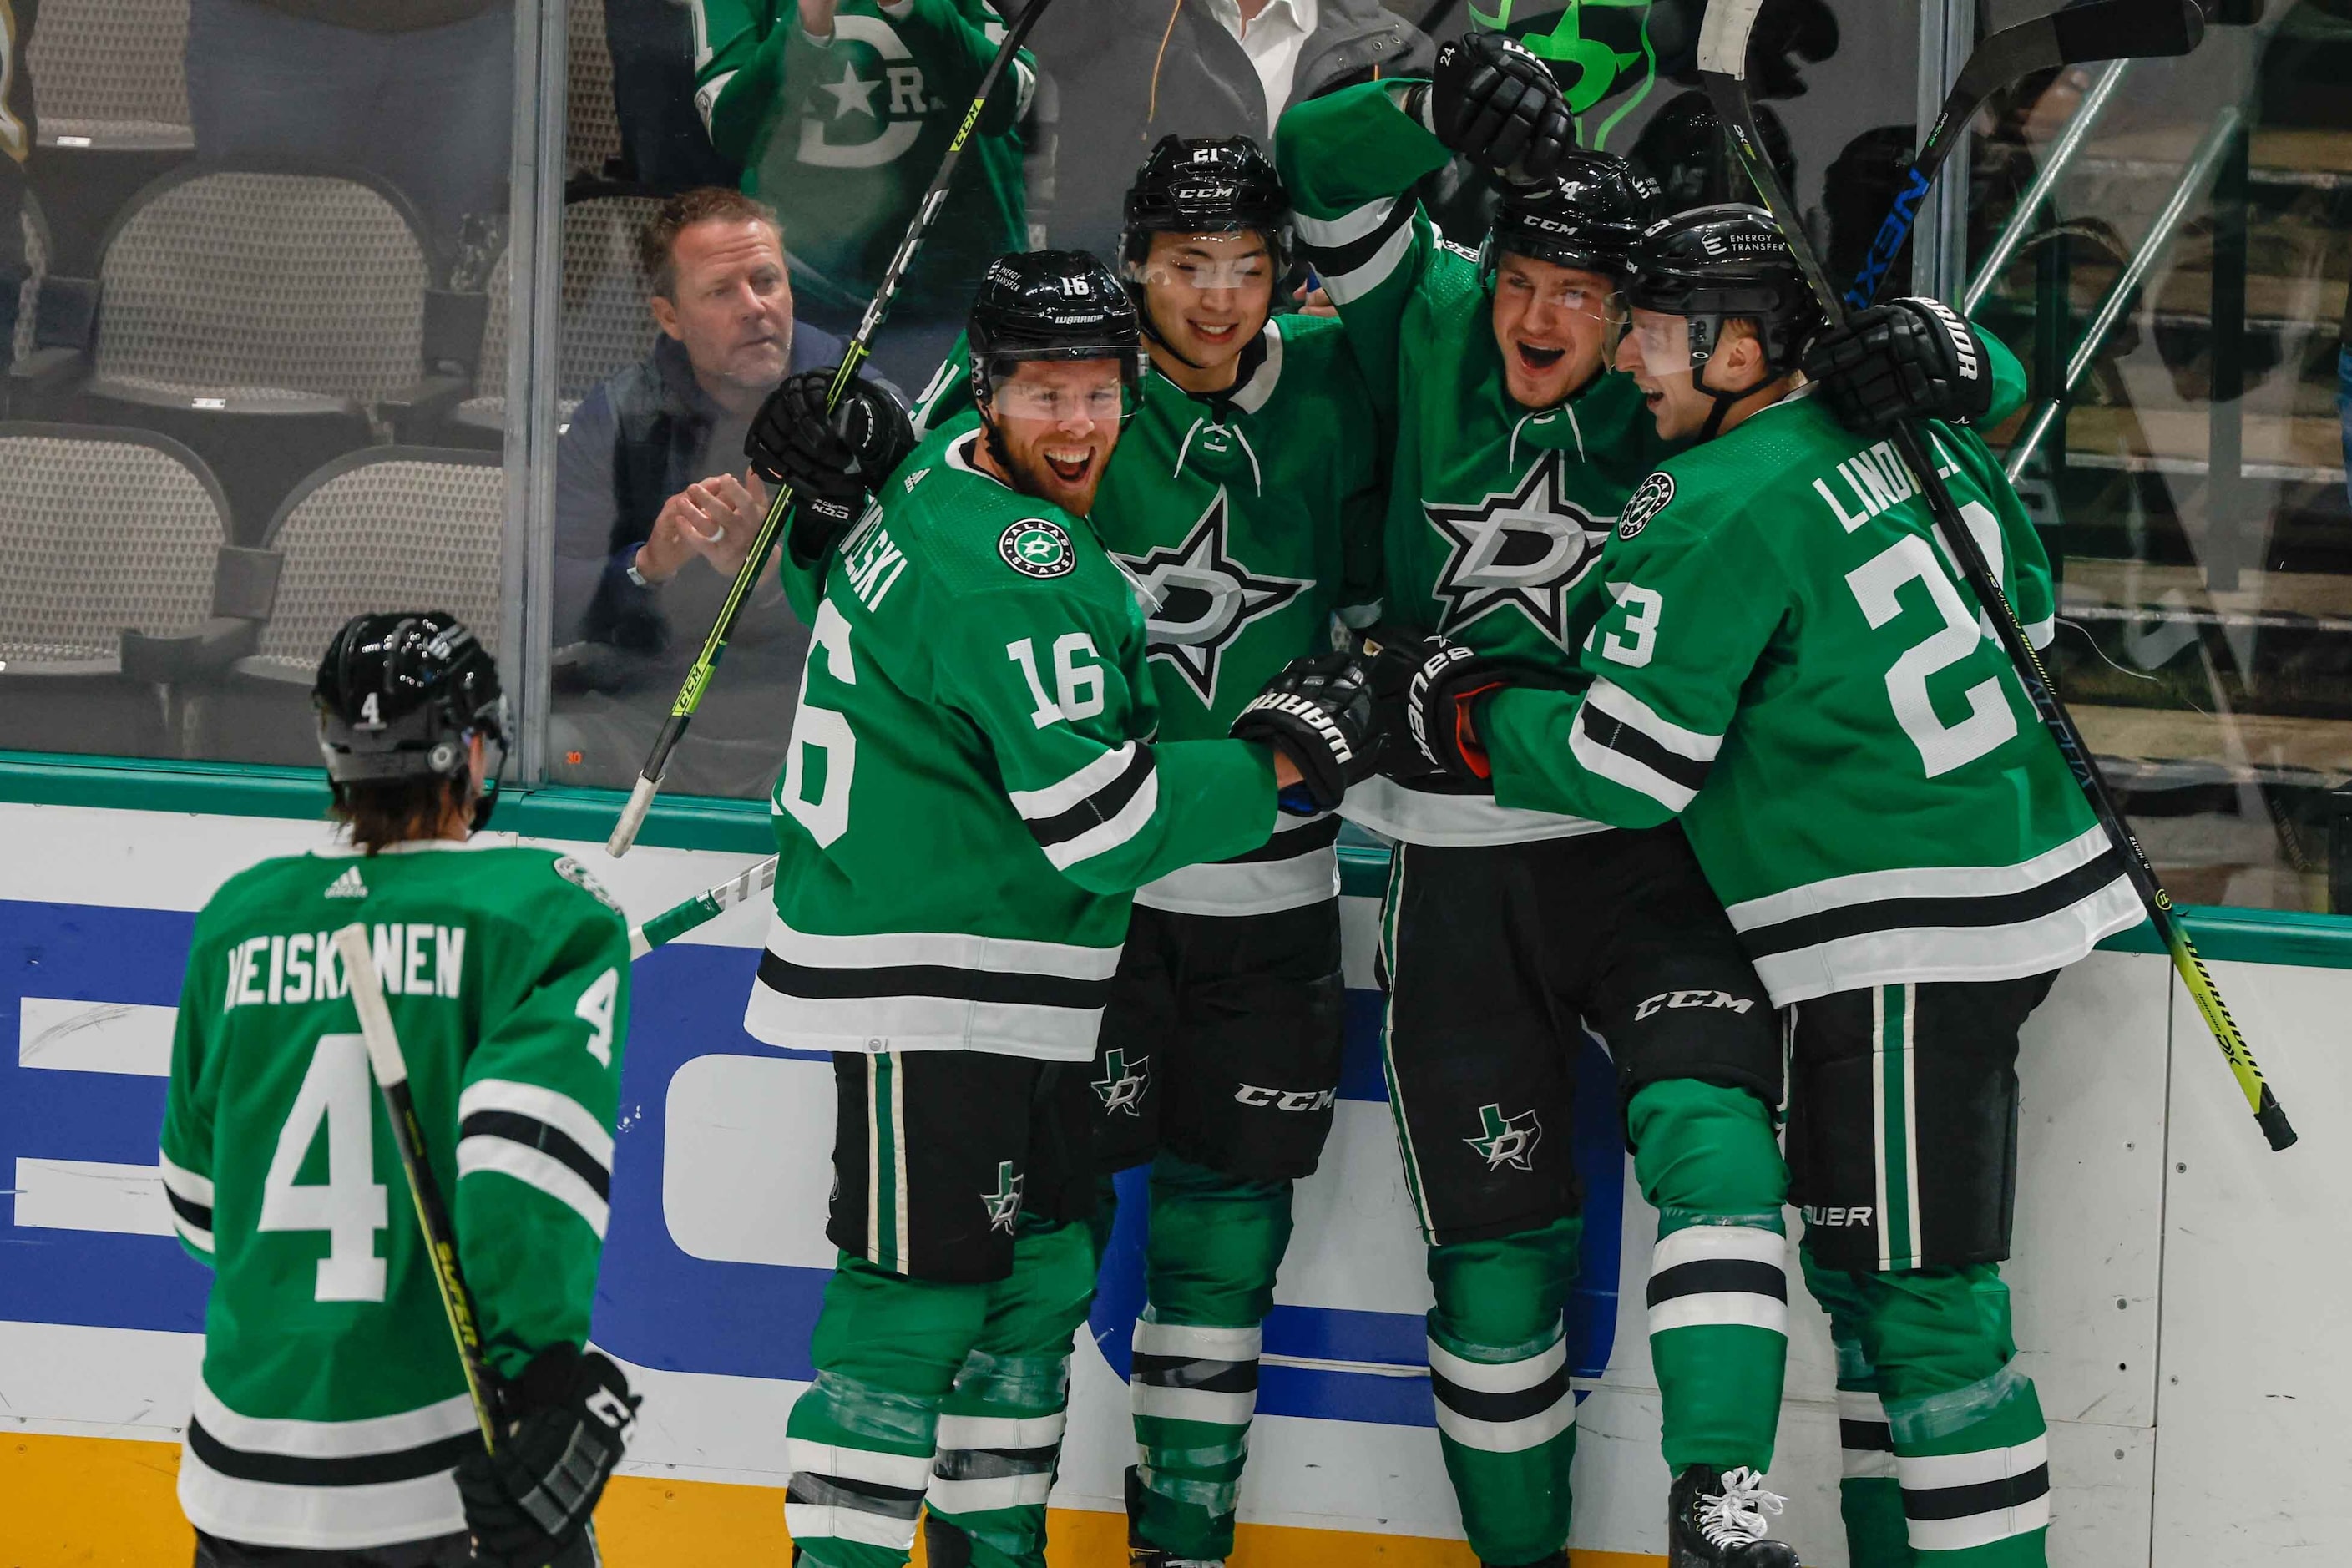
{"x":1033,"y":474}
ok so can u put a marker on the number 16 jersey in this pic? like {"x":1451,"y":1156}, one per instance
{"x":1792,"y":664}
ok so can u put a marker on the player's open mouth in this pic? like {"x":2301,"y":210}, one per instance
{"x":1535,"y":358}
{"x":1070,"y":467}
{"x":1218,"y":336}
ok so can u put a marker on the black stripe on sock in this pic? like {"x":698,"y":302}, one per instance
{"x":342,"y":1470}
{"x":1338,"y":260}
{"x":790,"y":979}
{"x":1098,"y":808}
{"x":1901,"y":914}
{"x":865,"y":1497}
{"x":197,"y":1215}
{"x":993,"y":1464}
{"x":1977,"y":1497}
{"x":532,"y":1133}
{"x":1189,"y":1371}
{"x":1873,"y":1435}
{"x":1616,"y":735}
{"x":1705,"y":1275}
{"x":1516,"y":1406}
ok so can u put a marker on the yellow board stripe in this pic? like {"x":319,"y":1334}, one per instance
{"x":102,"y":1502}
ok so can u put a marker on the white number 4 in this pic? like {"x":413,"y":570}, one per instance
{"x":596,"y":1010}
{"x":351,"y":1205}
{"x":1079,"y":687}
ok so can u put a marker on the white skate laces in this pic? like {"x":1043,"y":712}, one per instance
{"x":1739,"y":1512}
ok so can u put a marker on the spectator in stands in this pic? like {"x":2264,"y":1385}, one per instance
{"x":417,"y":93}
{"x":839,"y":111}
{"x":1130,"y":72}
{"x":652,"y":521}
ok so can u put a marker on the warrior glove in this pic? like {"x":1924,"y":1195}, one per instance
{"x":831,"y":460}
{"x":1495,"y":104}
{"x":1318,"y":713}
{"x":568,"y":1417}
{"x":1437,"y":708}
{"x":1907,"y":359}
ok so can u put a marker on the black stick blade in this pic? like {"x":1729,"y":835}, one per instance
{"x":2126,"y":29}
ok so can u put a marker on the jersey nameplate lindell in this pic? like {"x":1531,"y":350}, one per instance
{"x":1036,"y":548}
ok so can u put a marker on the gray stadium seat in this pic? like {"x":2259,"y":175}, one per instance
{"x":120,"y":596}
{"x":606,"y":323}
{"x":111,"y":88}
{"x":592,"y":123}
{"x":387,"y":528}
{"x":271,"y":317}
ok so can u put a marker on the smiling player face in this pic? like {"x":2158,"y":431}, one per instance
{"x":1552,"y":323}
{"x":1056,"y":422}
{"x":1209,"y":295}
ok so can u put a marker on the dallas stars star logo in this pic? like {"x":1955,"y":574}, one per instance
{"x":1524,"y":550}
{"x":1507,"y":1140}
{"x":1003,"y":1204}
{"x":1121,"y":1086}
{"x":1205,"y":599}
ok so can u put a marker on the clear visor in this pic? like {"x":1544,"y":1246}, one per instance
{"x":1662,"y":342}
{"x":1206,"y":274}
{"x":1062,"y":403}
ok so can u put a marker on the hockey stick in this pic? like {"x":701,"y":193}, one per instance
{"x":391,"y":1070}
{"x":680,"y":917}
{"x":2083,"y":34}
{"x":763,"y":543}
{"x":1723,"y":62}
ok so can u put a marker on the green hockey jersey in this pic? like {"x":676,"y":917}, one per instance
{"x":1792,"y":665}
{"x":1251,"y":516}
{"x":972,"y":791}
{"x":843,"y":138}
{"x":331,"y":1405}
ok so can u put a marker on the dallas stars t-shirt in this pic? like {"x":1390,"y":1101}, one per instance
{"x":843,"y":138}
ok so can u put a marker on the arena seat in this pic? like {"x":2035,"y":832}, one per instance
{"x":111,"y":91}
{"x":124,"y":599}
{"x":271,"y":316}
{"x":591,"y":143}
{"x":604,"y":321}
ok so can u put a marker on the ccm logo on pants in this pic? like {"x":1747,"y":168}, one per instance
{"x":1288,"y":1098}
{"x":1665,"y":999}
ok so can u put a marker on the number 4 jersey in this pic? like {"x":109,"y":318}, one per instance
{"x":973,"y":790}
{"x":1790,"y":663}
{"x":332,"y":1406}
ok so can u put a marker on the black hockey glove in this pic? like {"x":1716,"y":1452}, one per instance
{"x":831,"y":461}
{"x":568,"y":1417}
{"x":1437,"y":708}
{"x":1495,"y":104}
{"x":1389,"y":655}
{"x":1318,"y":713}
{"x":1906,"y":359}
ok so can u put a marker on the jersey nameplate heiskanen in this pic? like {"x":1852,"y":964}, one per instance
{"x":1036,"y":548}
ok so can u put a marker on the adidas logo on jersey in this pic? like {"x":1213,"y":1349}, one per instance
{"x":348,"y":886}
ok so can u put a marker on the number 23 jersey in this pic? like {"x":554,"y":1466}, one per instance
{"x":1790,"y":663}
{"x":972,"y":791}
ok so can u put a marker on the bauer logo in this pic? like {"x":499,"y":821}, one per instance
{"x":1036,"y":548}
{"x":1648,"y":499}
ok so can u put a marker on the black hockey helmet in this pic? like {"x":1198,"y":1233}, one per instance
{"x":1206,"y":184}
{"x":1049,"y":305}
{"x":399,"y":695}
{"x":1589,"y":215}
{"x":1721,"y":263}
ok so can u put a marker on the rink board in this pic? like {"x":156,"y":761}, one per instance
{"x":2175,"y":1282}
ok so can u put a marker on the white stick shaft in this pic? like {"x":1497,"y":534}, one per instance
{"x":367,"y":1000}
{"x":632,"y":817}
{"x":1723,"y":36}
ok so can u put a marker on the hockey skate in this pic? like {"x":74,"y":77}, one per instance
{"x":1718,"y":1519}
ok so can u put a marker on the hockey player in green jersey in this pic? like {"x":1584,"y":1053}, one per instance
{"x":1793,"y":667}
{"x":1509,"y":930}
{"x":972,"y":793}
{"x":332,"y":1426}
{"x":1245,"y":497}
{"x":840,"y":111}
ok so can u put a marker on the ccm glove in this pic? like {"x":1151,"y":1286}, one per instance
{"x":831,"y":461}
{"x":1495,"y":104}
{"x":568,"y":1417}
{"x":1318,"y":713}
{"x":1911,"y":358}
{"x":1437,"y":708}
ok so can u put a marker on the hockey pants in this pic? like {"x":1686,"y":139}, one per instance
{"x":1706,"y":1160}
{"x":950,"y":1394}
{"x":1216,"y":1244}
{"x":1947,"y":1459}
